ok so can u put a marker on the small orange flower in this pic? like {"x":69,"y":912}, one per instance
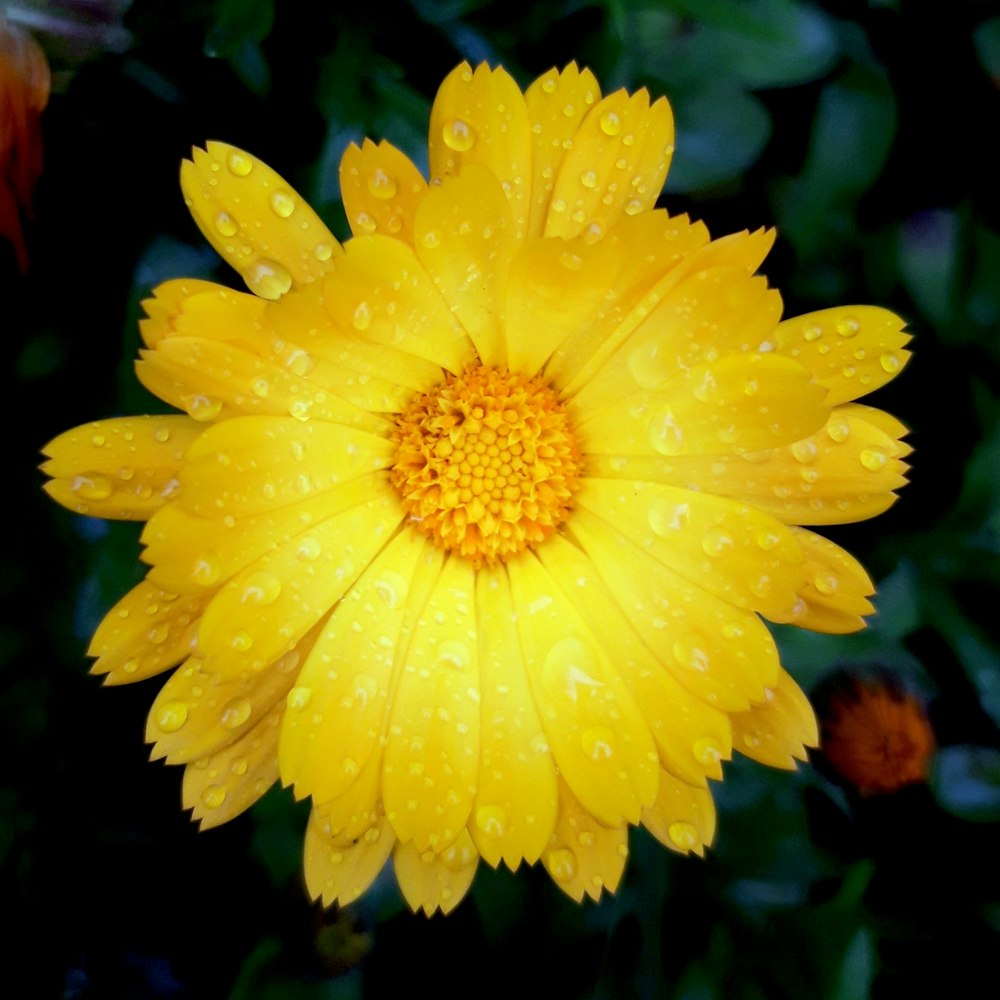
{"x":875,"y":734}
{"x":25,"y":82}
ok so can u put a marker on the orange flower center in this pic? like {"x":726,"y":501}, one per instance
{"x":486,"y":463}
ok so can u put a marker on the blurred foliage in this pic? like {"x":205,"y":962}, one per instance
{"x":843,"y":122}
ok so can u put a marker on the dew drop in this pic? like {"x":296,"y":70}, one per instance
{"x":598,"y":743}
{"x":890,"y":363}
{"x":633,"y":206}
{"x":171,"y":716}
{"x":282,"y":204}
{"x":453,"y":654}
{"x":392,"y":588}
{"x":364,"y":224}
{"x":589,"y":179}
{"x":382,"y":185}
{"x":690,"y":653}
{"x":492,"y":821}
{"x":207,"y":569}
{"x":826,"y":583}
{"x":309,"y":548}
{"x":213,"y":796}
{"x":299,"y":697}
{"x":239,"y":163}
{"x":812,"y":333}
{"x":241,"y":640}
{"x":549,"y":85}
{"x":611,"y":123}
{"x":571,"y":261}
{"x":707,"y":751}
{"x":261,"y":589}
{"x":873,"y":459}
{"x":431,"y":239}
{"x":260,"y":387}
{"x":268,"y":279}
{"x":838,"y":430}
{"x":202,"y":408}
{"x":665,"y":518}
{"x":664,"y":434}
{"x":684,"y":835}
{"x":349,"y":767}
{"x":848,"y":327}
{"x":92,"y":487}
{"x":225,"y":224}
{"x":459,"y":135}
{"x":362,"y":318}
{"x":804,"y":451}
{"x":158,"y":634}
{"x":716,"y":542}
{"x":235,"y":713}
{"x":562,"y":864}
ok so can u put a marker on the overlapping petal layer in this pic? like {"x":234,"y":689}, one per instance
{"x":441,"y":706}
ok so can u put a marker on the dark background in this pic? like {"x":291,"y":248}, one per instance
{"x":863,"y":130}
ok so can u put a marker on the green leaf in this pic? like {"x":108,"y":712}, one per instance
{"x":720,"y":133}
{"x":238,"y":23}
{"x":986,"y":37}
{"x":965,"y":781}
{"x":929,"y":246}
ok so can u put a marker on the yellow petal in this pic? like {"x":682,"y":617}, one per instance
{"x":194,"y":554}
{"x":692,"y":737}
{"x":720,"y":653}
{"x":740,"y":403}
{"x":381,"y":189}
{"x":255,"y":220}
{"x":515,"y":806}
{"x":480,"y":118}
{"x":222,"y":785}
{"x":145,"y":633}
{"x":430,"y":881}
{"x":347,"y":817}
{"x":340,"y":362}
{"x":555,"y":287}
{"x":465,"y":239}
{"x":197,"y":714}
{"x":330,"y":736}
{"x":837,"y":587}
{"x":679,"y":325}
{"x":213,"y":381}
{"x":682,"y":818}
{"x":845,"y":472}
{"x":379,"y":293}
{"x":556,"y":104}
{"x":601,"y":743}
{"x":650,"y":248}
{"x":124,"y":468}
{"x":777,"y":731}
{"x":264,"y":610}
{"x":338,"y":873}
{"x":187,"y":307}
{"x":852,"y":350}
{"x":254,"y":464}
{"x":583,"y":856}
{"x":727,"y":548}
{"x":617,"y":165}
{"x":432,"y":753}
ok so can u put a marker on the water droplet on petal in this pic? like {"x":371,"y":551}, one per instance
{"x":268,"y":279}
{"x":611,"y":123}
{"x":589,"y":179}
{"x":235,"y":713}
{"x":382,"y":185}
{"x":308,"y":548}
{"x":684,"y":835}
{"x":323,"y":251}
{"x":239,"y":163}
{"x":261,"y":589}
{"x":431,"y":239}
{"x":848,"y":327}
{"x":890,"y":363}
{"x":459,"y":135}
{"x":825,"y":583}
{"x":633,"y":206}
{"x":225,"y":224}
{"x":873,"y":459}
{"x":282,"y":204}
{"x":804,"y":451}
{"x":241,"y":640}
{"x":691,"y":654}
{"x":492,"y":821}
{"x":392,"y":588}
{"x":171,"y":716}
{"x":299,"y":697}
{"x":362,"y":318}
{"x":598,"y":743}
{"x":812,"y":333}
{"x":716,"y":542}
{"x":549,"y":85}
{"x":207,"y":569}
{"x":92,"y":487}
{"x":664,"y":434}
{"x":202,"y":408}
{"x":562,"y":864}
{"x":454,"y":654}
{"x":213,"y":796}
{"x":838,"y":430}
{"x":707,"y":751}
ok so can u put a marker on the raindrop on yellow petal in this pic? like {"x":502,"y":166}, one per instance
{"x":268,"y":279}
{"x":171,"y":716}
{"x":458,"y":135}
{"x":282,"y":204}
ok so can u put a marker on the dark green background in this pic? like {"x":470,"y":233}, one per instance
{"x":861,"y":130}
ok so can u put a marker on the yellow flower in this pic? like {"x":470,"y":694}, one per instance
{"x":470,"y":524}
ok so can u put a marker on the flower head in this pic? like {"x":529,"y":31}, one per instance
{"x":875,"y":735}
{"x":25,"y":82}
{"x":468,"y":526}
